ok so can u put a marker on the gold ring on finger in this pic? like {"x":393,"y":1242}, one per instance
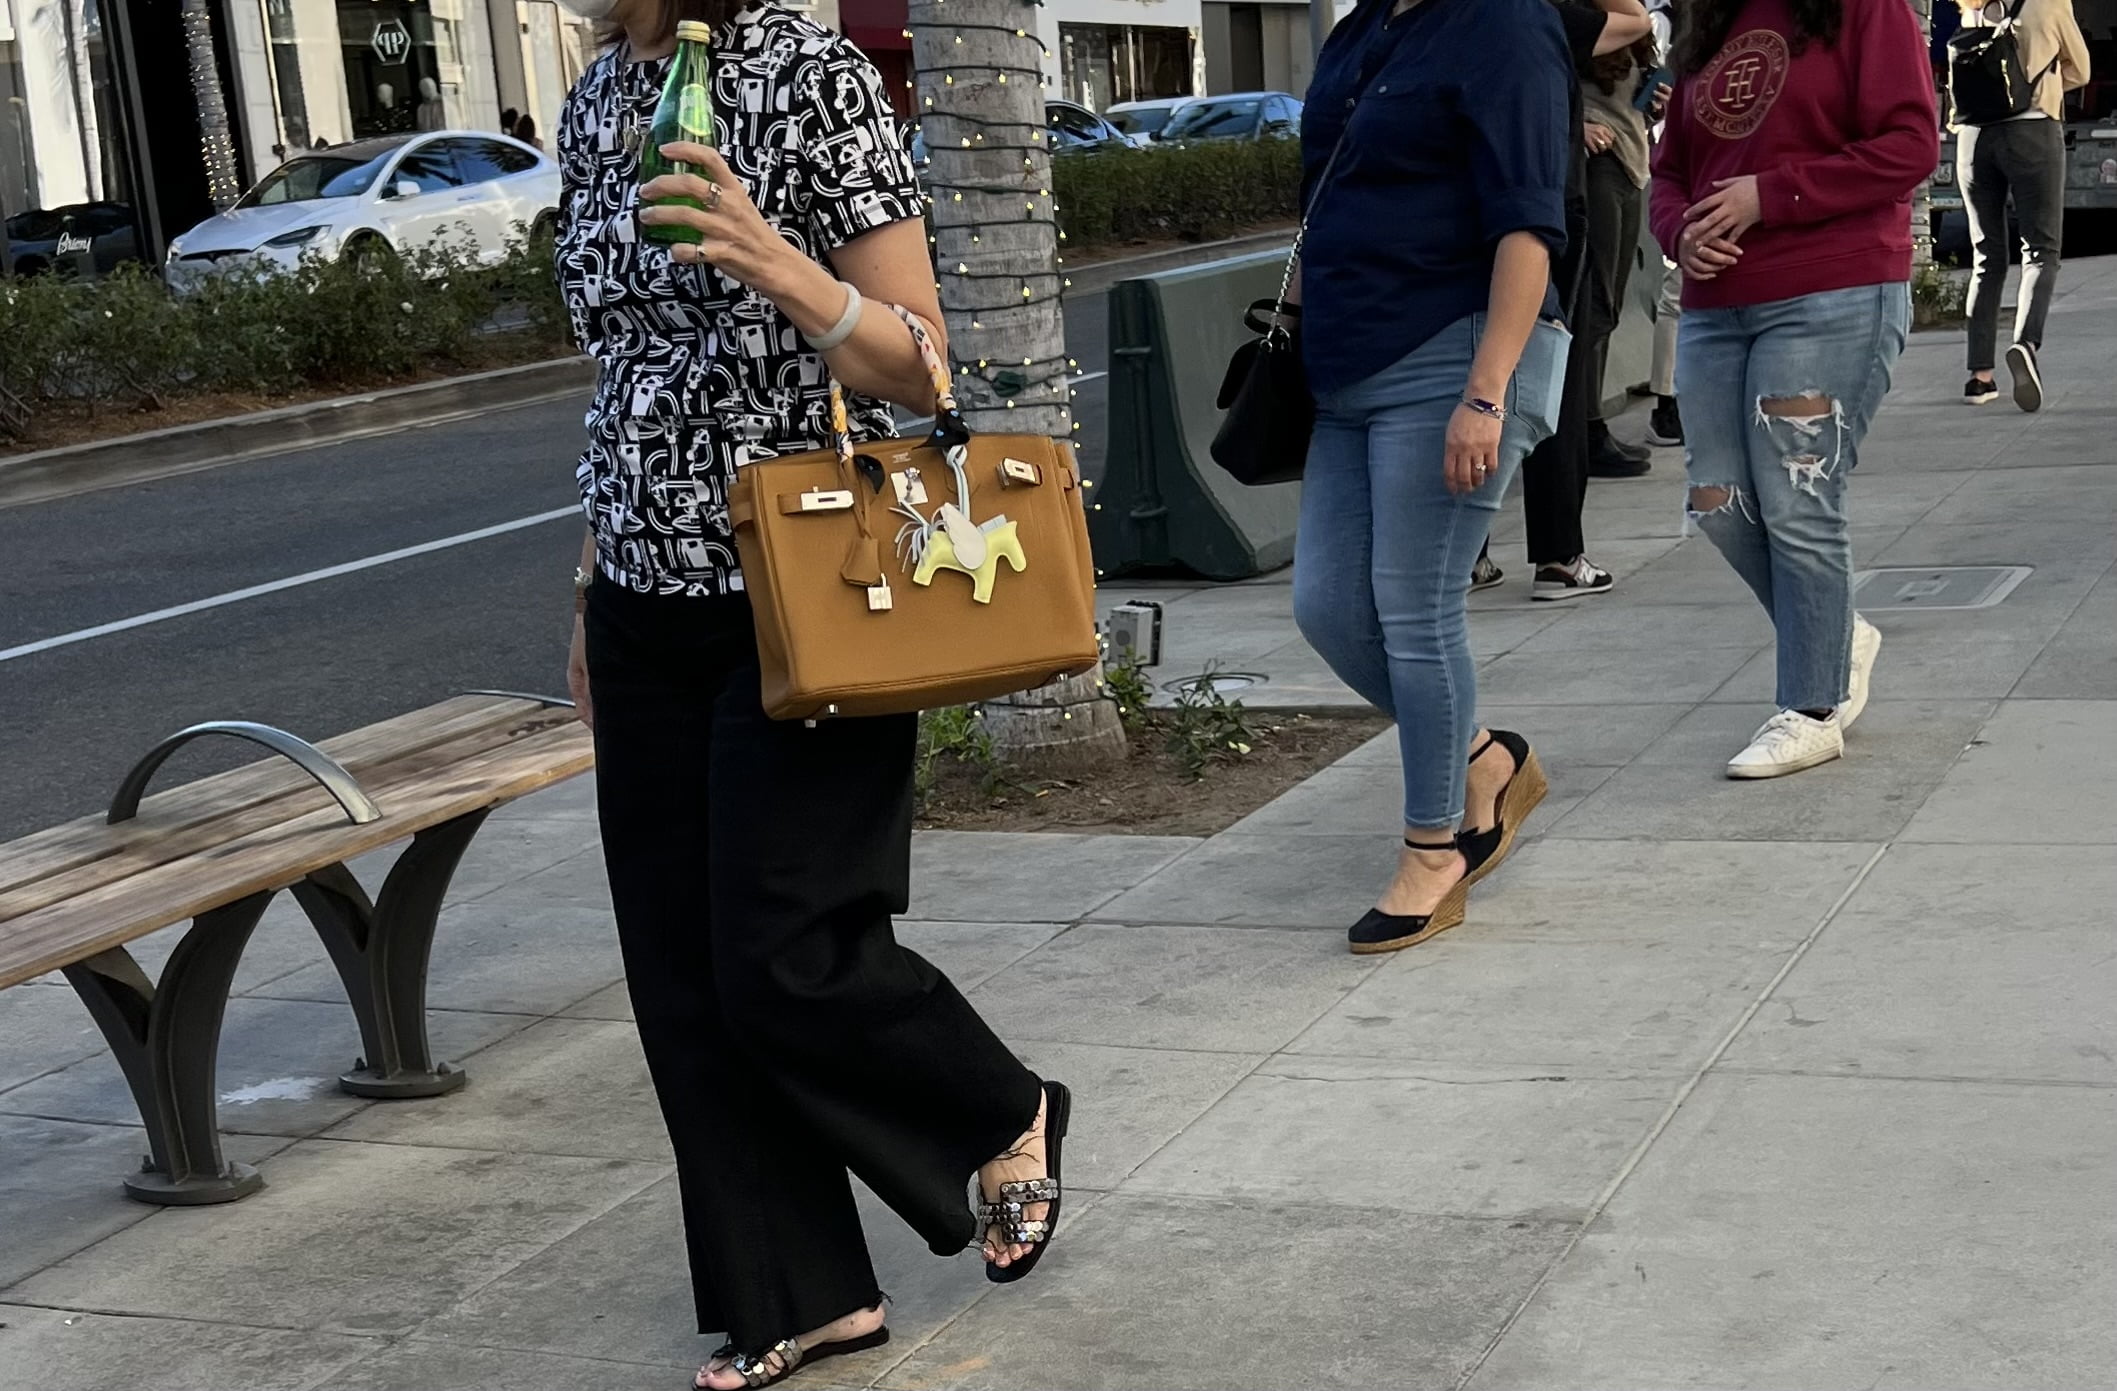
{"x":713,"y":198}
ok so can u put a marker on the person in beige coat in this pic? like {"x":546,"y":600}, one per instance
{"x":2024,"y":155}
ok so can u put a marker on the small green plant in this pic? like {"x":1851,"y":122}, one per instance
{"x":1206,"y":726}
{"x":954,"y":734}
{"x":1126,"y":686}
{"x":1937,"y":297}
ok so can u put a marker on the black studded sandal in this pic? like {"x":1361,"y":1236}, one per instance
{"x":1484,"y":850}
{"x":1015,"y":1197}
{"x":756,"y":1368}
{"x":1378,"y":931}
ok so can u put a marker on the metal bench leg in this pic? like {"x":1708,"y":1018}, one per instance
{"x":381,"y":948}
{"x":167,"y":1039}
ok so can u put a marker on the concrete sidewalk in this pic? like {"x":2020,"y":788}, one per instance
{"x":1805,"y":1083}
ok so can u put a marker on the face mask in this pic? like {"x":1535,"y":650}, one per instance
{"x":590,"y":9}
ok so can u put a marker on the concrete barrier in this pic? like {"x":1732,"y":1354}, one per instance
{"x":1163,"y":504}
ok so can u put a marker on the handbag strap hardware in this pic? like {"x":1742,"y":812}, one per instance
{"x":950,"y":435}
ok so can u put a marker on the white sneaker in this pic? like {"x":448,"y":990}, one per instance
{"x":1866,"y":644}
{"x":1788,"y":742}
{"x":1578,"y":578}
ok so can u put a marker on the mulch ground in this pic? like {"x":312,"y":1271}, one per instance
{"x":1150,"y":793}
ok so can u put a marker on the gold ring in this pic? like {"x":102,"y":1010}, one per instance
{"x":713,"y":198}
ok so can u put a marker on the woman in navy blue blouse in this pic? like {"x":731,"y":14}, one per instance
{"x":1435,"y":352}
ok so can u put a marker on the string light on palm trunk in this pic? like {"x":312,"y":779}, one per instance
{"x":216,"y":145}
{"x":996,"y":130}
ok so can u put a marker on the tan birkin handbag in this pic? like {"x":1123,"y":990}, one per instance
{"x":905,"y":574}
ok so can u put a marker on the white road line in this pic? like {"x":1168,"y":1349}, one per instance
{"x":236,"y":596}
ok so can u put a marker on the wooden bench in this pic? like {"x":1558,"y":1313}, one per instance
{"x":216,"y":850}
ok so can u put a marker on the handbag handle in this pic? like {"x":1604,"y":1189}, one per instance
{"x":863,"y":562}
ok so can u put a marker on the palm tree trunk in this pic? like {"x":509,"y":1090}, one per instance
{"x":996,"y":234}
{"x":997,"y":258}
{"x":216,"y":137}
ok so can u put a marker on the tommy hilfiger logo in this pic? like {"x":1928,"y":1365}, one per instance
{"x":1738,"y":88}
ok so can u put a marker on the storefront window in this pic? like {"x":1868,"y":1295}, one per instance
{"x":17,"y":156}
{"x":65,"y":160}
{"x":1104,"y":63}
{"x":403,"y":64}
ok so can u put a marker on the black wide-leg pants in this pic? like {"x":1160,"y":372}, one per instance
{"x":754,"y":868}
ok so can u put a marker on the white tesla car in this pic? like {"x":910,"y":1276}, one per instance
{"x":377,"y":197}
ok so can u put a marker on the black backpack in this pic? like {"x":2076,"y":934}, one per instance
{"x":1987,"y":82}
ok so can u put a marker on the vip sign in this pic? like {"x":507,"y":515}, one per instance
{"x":392,"y":41}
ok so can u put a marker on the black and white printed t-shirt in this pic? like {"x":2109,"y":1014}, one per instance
{"x":700,"y":375}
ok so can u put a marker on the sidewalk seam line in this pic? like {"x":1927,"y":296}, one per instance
{"x":2070,"y":613}
{"x":1668,"y":1117}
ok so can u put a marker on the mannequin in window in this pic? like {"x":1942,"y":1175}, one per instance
{"x":428,"y":115}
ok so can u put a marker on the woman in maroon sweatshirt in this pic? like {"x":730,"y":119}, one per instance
{"x":1797,"y":131}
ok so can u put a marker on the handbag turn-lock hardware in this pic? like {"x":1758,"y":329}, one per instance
{"x":825,"y":500}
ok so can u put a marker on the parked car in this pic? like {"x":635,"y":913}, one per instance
{"x":1236,"y":116}
{"x":80,"y":237}
{"x":378,"y":198}
{"x":1073,"y":129}
{"x":1142,"y":121}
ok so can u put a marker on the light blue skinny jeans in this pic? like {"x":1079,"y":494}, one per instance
{"x":1776,"y":399}
{"x":1383,"y":553}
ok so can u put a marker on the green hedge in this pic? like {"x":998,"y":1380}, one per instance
{"x":125,"y":340}
{"x":1185,"y":192}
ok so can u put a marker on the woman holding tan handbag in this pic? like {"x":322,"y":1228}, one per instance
{"x":754,"y":864}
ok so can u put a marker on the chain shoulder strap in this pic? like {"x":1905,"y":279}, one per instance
{"x":1293,"y":256}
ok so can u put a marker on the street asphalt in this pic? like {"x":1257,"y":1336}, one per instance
{"x":325,"y":656}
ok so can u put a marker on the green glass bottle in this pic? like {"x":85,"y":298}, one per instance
{"x":685,"y":112}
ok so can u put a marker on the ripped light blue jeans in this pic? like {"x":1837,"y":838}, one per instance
{"x":1776,"y":399}
{"x":1383,"y":553}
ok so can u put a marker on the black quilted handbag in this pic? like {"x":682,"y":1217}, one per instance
{"x":1264,"y":437}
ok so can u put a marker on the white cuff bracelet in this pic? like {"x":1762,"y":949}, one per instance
{"x":847,"y":322}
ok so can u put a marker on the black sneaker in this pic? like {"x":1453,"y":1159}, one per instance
{"x":2028,"y":380}
{"x":1979,"y":393}
{"x":1578,"y":578}
{"x":1485,"y":575}
{"x":1665,"y":425}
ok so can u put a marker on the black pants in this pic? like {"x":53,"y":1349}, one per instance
{"x":1613,"y":247}
{"x":754,"y":866}
{"x":2028,"y":160}
{"x":1555,"y":474}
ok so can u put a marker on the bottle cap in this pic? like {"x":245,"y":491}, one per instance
{"x":693,"y":31}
